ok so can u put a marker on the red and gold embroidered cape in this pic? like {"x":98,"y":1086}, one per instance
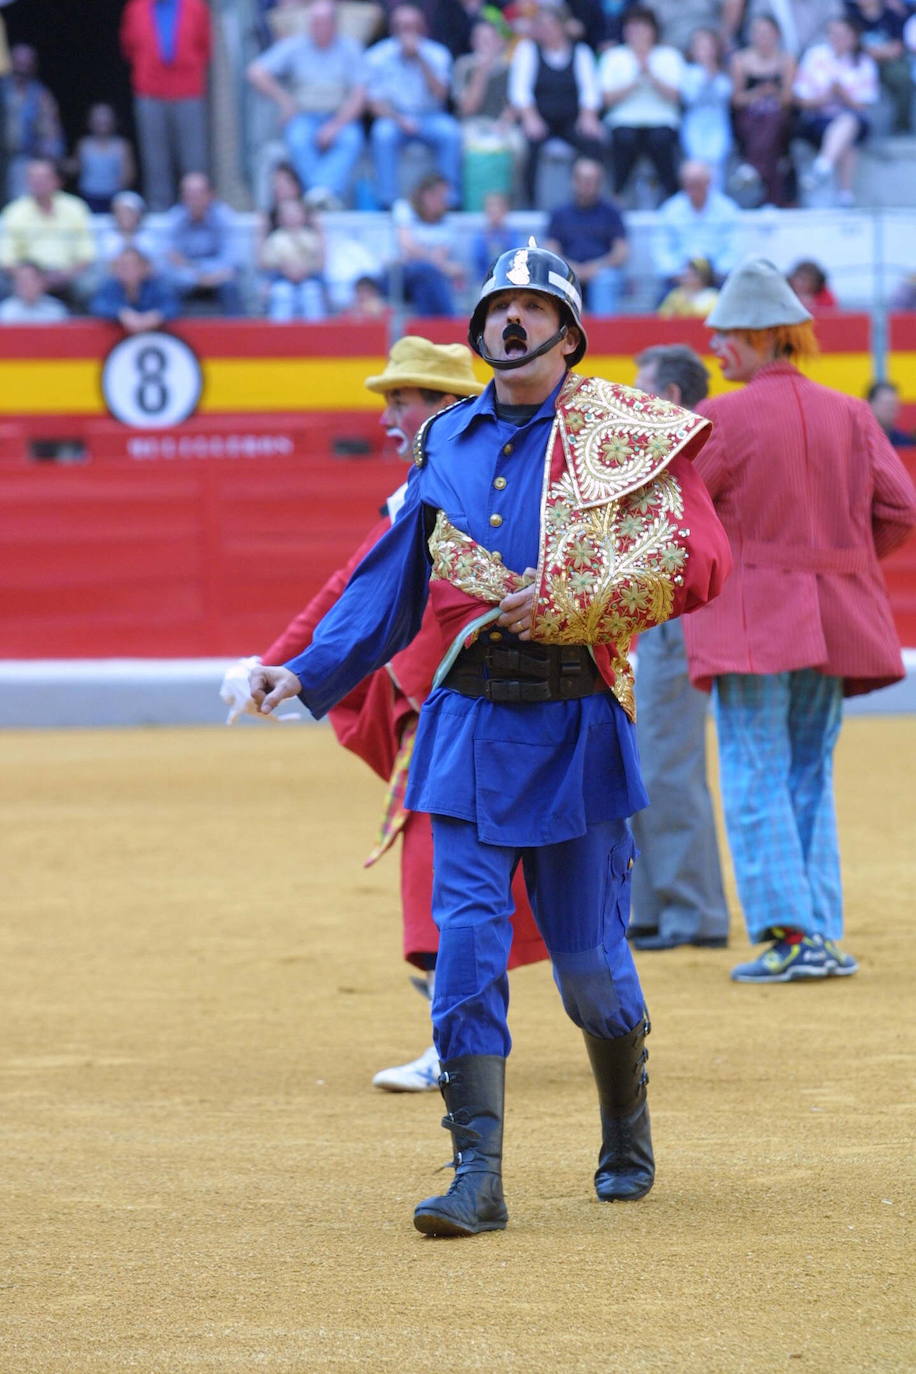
{"x":628,"y":535}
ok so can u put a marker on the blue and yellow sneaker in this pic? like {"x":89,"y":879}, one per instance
{"x":793,"y":957}
{"x":839,"y":964}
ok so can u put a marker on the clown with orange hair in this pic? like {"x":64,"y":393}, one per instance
{"x":812,"y":496}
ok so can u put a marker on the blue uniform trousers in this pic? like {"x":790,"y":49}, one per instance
{"x":580,"y":895}
{"x":777,"y":733}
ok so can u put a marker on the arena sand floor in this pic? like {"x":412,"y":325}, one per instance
{"x":197,"y":982}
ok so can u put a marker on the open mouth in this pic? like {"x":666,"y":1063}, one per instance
{"x":515,"y":341}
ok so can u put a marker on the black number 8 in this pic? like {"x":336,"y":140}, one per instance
{"x":151,"y":395}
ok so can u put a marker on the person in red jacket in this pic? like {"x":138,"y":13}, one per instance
{"x":167,"y":46}
{"x":812,"y":496}
{"x":378,"y":719}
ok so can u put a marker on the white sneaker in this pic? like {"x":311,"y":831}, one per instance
{"x":417,"y":1077}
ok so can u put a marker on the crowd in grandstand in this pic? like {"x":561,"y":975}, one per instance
{"x":694,"y":108}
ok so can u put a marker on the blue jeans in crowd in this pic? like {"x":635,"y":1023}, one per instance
{"x":602,"y":293}
{"x":333,"y":168}
{"x":438,"y":131}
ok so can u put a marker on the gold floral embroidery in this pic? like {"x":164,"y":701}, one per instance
{"x":615,"y":438}
{"x":459,"y":559}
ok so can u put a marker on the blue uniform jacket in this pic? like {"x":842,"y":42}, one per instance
{"x":526,"y":774}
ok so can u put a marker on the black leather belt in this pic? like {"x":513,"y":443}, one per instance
{"x":532,"y":672}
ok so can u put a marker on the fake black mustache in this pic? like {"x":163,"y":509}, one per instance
{"x":515,"y":332}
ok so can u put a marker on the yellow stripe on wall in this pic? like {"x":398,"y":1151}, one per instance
{"x":261,"y":385}
{"x":847,"y":372}
{"x":66,"y":386}
{"x":243,"y":385}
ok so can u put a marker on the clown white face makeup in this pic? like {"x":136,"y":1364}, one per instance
{"x":404,"y":413}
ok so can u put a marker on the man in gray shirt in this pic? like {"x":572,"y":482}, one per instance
{"x":407,"y":80}
{"x":316,"y":80}
{"x":204,"y":246}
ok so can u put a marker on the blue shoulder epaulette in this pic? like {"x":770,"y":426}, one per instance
{"x":418,"y":451}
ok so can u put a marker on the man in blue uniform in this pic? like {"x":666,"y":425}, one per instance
{"x":546,"y":520}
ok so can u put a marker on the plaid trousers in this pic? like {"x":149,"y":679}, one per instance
{"x":777,"y":733}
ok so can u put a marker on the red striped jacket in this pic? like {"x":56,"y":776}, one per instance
{"x":811,"y":495}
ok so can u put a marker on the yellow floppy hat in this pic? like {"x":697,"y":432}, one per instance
{"x":436,"y":367}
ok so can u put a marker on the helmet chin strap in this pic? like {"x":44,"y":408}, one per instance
{"x":507,"y":364}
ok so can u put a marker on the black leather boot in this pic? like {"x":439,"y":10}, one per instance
{"x":626,"y":1166}
{"x":473,"y":1087}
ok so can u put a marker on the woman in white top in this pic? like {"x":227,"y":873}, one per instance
{"x":836,"y":82}
{"x":553,"y":89}
{"x":641,"y":81}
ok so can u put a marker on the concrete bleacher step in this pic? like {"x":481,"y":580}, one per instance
{"x":886,"y":173}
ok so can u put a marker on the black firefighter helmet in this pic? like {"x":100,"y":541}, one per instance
{"x":534,"y":269}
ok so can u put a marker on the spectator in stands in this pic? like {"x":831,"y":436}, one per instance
{"x":167,"y":46}
{"x":103,"y":162}
{"x":29,"y":302}
{"x":884,"y":399}
{"x":426,"y":263}
{"x":801,"y":22}
{"x":368,"y":301}
{"x":29,"y":117}
{"x":133,"y":295}
{"x":837,"y":83}
{"x":316,"y":81}
{"x":128,"y":210}
{"x":881,"y":27}
{"x":706,"y":126}
{"x":407,"y":80}
{"x":641,"y":81}
{"x":698,"y":222}
{"x":554,"y":91}
{"x":284,"y":185}
{"x":590,"y":234}
{"x":204,"y":248}
{"x":809,"y":282}
{"x":480,"y":92}
{"x":480,"y":80}
{"x":51,"y":228}
{"x":695,"y":293}
{"x":495,"y":237}
{"x":762,"y":75}
{"x":293,"y":256}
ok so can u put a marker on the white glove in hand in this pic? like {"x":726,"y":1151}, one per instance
{"x":234,"y":690}
{"x":236,"y":694}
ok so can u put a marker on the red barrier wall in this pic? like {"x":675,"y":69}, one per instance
{"x":206,"y":539}
{"x":175,"y":559}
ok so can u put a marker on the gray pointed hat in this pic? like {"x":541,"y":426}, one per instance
{"x":756,"y":296}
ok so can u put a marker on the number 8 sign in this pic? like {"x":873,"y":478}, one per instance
{"x":152,"y":381}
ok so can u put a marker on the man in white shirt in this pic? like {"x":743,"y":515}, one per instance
{"x":698,"y":222}
{"x":316,"y":80}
